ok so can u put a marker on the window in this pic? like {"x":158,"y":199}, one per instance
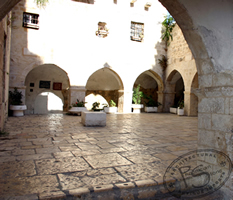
{"x":30,"y":20}
{"x":137,"y":31}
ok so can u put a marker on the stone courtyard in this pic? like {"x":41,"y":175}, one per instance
{"x":55,"y":156}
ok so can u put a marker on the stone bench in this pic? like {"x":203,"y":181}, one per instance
{"x":93,"y":118}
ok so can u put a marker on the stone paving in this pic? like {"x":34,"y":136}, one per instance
{"x":55,"y":155}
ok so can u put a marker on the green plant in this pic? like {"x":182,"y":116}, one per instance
{"x":181,"y":104}
{"x":95,"y":106}
{"x":151,"y":102}
{"x":112,"y":103}
{"x":137,"y":95}
{"x":3,"y":133}
{"x":163,"y":62}
{"x":79,"y":104}
{"x":41,"y":3}
{"x":168,"y":25}
{"x":15,"y":97}
{"x":174,"y":106}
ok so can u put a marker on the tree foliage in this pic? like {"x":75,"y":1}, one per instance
{"x":41,"y":3}
{"x":168,"y":25}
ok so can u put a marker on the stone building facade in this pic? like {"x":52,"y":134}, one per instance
{"x":5,"y":43}
{"x":181,"y":78}
{"x":91,"y":53}
{"x":74,"y":51}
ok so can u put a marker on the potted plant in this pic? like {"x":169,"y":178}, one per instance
{"x":180,"y":110}
{"x":95,"y":107}
{"x":173,"y":109}
{"x":112,"y":107}
{"x":151,"y":104}
{"x":15,"y":101}
{"x":78,"y":107}
{"x":137,"y":95}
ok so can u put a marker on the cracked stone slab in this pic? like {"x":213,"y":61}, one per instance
{"x":62,"y":165}
{"x":141,"y":171}
{"x":106,"y":160}
{"x":17,"y":168}
{"x":102,"y":179}
{"x":28,"y":185}
{"x":143,"y":158}
{"x":70,"y":181}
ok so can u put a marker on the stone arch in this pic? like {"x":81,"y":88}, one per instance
{"x":43,"y":102}
{"x":46,"y":78}
{"x":107,"y":83}
{"x":151,"y":84}
{"x":174,"y":90}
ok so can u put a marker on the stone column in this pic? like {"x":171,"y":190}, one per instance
{"x":215,"y":120}
{"x":160,"y":100}
{"x":120,"y":101}
{"x":127,"y":101}
{"x":168,"y":100}
{"x":77,"y":92}
{"x":190,"y":104}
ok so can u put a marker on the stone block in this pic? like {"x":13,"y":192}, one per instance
{"x":204,"y":121}
{"x":93,"y":118}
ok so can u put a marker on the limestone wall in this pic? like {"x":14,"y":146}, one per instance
{"x":180,"y":59}
{"x":67,"y":38}
{"x":5,"y":40}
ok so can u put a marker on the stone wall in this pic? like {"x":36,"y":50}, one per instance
{"x":5,"y":40}
{"x":180,"y":64}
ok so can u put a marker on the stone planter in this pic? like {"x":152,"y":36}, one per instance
{"x":180,"y":111}
{"x":137,"y":108}
{"x":18,"y":110}
{"x":173,"y":110}
{"x":110,"y":109}
{"x":77,"y":110}
{"x":151,"y":109}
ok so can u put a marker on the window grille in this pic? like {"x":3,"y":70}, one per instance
{"x":137,"y":31}
{"x":30,"y":20}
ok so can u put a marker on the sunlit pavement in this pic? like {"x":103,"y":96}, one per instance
{"x":54,"y":155}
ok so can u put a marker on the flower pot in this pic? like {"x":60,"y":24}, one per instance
{"x":77,"y":110}
{"x":110,"y":109}
{"x":180,"y":111}
{"x":173,"y":110}
{"x":18,"y":110}
{"x":137,"y":108}
{"x":151,"y":109}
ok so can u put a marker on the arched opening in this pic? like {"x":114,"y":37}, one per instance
{"x":174,"y":90}
{"x":151,"y":85}
{"x":46,"y":78}
{"x":107,"y":84}
{"x":47,"y":102}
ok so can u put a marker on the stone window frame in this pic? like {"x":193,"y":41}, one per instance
{"x":30,"y":20}
{"x":137,"y":31}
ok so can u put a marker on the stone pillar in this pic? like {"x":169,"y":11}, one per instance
{"x":120,"y":101}
{"x":66,"y":97}
{"x":168,"y":100}
{"x":160,"y":100}
{"x":190,"y":104}
{"x":127,"y":101}
{"x":77,"y":92}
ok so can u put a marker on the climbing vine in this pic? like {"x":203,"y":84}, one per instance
{"x":168,"y":25}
